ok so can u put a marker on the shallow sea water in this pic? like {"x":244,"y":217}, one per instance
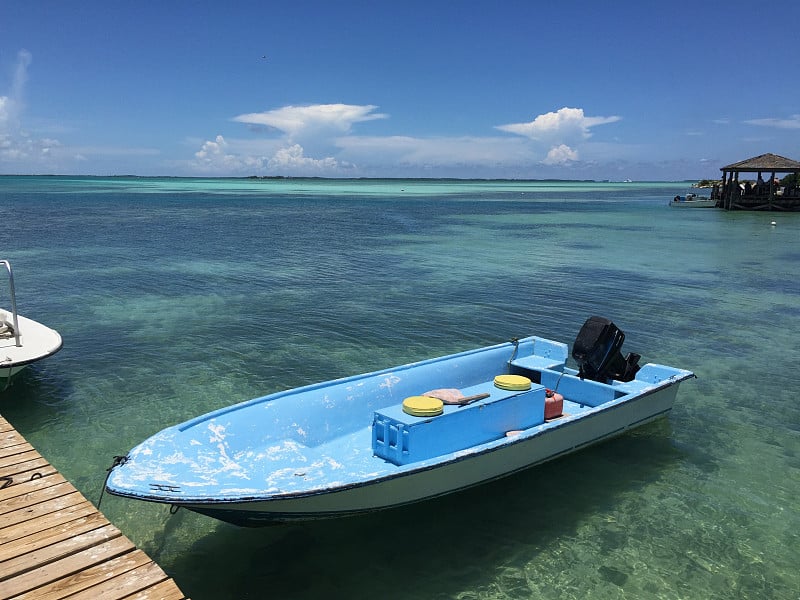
{"x":179,"y":296}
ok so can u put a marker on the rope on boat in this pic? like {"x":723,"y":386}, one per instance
{"x":118,"y":460}
{"x":121,"y":460}
{"x":515,"y":341}
{"x":558,"y":381}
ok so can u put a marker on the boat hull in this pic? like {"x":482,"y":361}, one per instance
{"x":349,"y":446}
{"x":471,"y":469}
{"x":693,"y":201}
{"x":37,"y":342}
{"x":694,"y":204}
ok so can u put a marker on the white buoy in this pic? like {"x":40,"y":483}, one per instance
{"x":773,"y":223}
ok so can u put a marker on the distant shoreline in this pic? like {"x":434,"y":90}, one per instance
{"x":693,"y":182}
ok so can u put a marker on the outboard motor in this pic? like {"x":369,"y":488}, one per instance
{"x":597,"y":352}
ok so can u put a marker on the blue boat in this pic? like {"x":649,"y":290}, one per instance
{"x":401,"y":435}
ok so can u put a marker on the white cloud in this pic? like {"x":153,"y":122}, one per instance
{"x":565,"y":123}
{"x":317,"y":140}
{"x":560,"y":155}
{"x":793,"y":122}
{"x":19,"y":150}
{"x":24,"y":59}
{"x":314,"y":119}
{"x":20,"y":147}
{"x":214,"y":158}
{"x":5,"y":109}
{"x":560,"y":132}
{"x":13,"y":142}
{"x":11,"y":105}
{"x":292,"y":160}
{"x":23,"y":151}
{"x":211,"y":149}
{"x":245,"y":157}
{"x":310,"y":138}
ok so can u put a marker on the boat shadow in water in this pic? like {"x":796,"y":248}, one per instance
{"x":440,"y":547}
{"x":34,"y":392}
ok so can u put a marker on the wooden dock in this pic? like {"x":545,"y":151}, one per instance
{"x":55,"y":544}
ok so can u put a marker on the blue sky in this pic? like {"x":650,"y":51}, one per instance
{"x":639,"y":90}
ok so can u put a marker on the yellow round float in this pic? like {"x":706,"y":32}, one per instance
{"x":423,"y":406}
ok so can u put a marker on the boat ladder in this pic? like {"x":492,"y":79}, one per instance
{"x":13,"y":294}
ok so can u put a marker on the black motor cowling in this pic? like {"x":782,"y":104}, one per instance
{"x":597,"y":352}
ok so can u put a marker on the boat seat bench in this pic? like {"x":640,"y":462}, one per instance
{"x":537,"y":363}
{"x":581,"y":391}
{"x":401,"y":438}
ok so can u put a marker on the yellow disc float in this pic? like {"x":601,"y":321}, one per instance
{"x":512,"y":382}
{"x":423,"y":406}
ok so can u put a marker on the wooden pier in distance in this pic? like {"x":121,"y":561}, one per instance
{"x":55,"y":544}
{"x":762,"y":194}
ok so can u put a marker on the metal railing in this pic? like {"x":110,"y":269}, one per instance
{"x":15,"y":324}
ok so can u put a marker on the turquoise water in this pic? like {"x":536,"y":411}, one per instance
{"x":179,"y":296}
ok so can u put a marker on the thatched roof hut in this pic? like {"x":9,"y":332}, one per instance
{"x":767,"y":193}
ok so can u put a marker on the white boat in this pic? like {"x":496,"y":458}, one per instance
{"x":400,"y":435}
{"x":22,"y":340}
{"x":693,"y":201}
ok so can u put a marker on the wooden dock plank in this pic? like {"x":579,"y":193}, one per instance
{"x":9,"y":435}
{"x":55,"y":550}
{"x":54,"y":544}
{"x":75,"y":572}
{"x":18,"y":457}
{"x":11,"y":449}
{"x":21,"y":486}
{"x":29,"y":475}
{"x":53,"y":535}
{"x":20,"y":468}
{"x":44,"y":508}
{"x":44,"y":493}
{"x":137,"y":580}
{"x":164,"y":590}
{"x":25,"y":528}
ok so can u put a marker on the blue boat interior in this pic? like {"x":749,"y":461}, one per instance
{"x":352,"y":430}
{"x":404,"y":439}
